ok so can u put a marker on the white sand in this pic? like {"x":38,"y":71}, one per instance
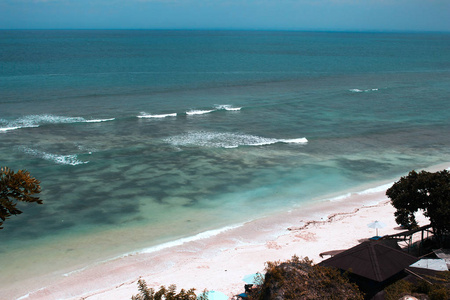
{"x":220,"y":262}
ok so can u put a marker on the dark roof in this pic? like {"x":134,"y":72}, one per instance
{"x":372,"y":259}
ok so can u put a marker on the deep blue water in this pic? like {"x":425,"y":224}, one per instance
{"x":158,"y":135}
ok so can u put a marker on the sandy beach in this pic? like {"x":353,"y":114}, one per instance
{"x":219,"y":261}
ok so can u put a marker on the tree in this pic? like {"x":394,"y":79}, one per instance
{"x":425,"y":191}
{"x":146,"y":293}
{"x":301,"y":280}
{"x":16,"y":187}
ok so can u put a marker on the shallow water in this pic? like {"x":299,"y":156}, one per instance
{"x":144,"y":137}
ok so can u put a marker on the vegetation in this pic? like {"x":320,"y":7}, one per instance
{"x":300,"y":279}
{"x":435,"y":288}
{"x":425,"y":191}
{"x":16,"y":187}
{"x":146,"y":293}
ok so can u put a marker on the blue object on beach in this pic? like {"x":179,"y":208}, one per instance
{"x":215,"y":295}
{"x":243,"y":295}
{"x":252,"y":278}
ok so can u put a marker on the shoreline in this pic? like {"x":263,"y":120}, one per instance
{"x":219,"y":259}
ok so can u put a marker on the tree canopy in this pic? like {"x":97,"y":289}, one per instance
{"x":16,"y":187}
{"x":300,"y":279}
{"x":146,"y":293}
{"x":425,"y":191}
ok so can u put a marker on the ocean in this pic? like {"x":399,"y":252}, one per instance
{"x":142,"y":138}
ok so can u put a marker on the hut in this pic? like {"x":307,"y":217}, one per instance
{"x":372,"y":265}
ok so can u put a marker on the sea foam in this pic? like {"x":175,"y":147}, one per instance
{"x":4,"y":129}
{"x":362,"y":91}
{"x":31,"y":121}
{"x":225,"y":140}
{"x":145,"y":115}
{"x":199,"y":112}
{"x":100,"y":120}
{"x":227,"y":107}
{"x":71,"y":159}
{"x":370,"y":191}
{"x":179,"y":242}
{"x":218,"y":107}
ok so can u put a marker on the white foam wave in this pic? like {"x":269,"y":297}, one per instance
{"x":225,"y":140}
{"x":4,"y":129}
{"x":199,"y":112}
{"x":100,"y":120}
{"x":362,"y":91}
{"x":295,"y":141}
{"x":145,"y":115}
{"x":56,"y":158}
{"x":75,"y":271}
{"x":31,"y":121}
{"x":341,"y":197}
{"x":228,"y":107}
{"x":179,"y":242}
{"x":377,"y":189}
{"x":29,"y":294}
{"x":370,"y":191}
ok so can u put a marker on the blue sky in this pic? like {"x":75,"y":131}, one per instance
{"x":355,"y":15}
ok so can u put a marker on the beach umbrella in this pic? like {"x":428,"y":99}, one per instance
{"x":376,"y":225}
{"x":254,"y":278}
{"x":215,"y":295}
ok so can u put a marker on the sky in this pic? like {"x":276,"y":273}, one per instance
{"x":329,"y":15}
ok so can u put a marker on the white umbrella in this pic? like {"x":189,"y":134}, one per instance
{"x":376,"y":225}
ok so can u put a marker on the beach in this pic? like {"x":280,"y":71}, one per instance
{"x":176,"y":155}
{"x":219,"y":262}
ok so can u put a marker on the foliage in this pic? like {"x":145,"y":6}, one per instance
{"x":146,"y":293}
{"x":435,"y":288}
{"x":425,"y":191}
{"x":398,"y":289}
{"x":300,"y":279}
{"x":15,"y":187}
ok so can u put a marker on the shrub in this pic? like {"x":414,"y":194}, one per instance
{"x":146,"y":293}
{"x":300,"y":279}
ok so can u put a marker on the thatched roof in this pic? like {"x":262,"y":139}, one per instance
{"x":372,"y":259}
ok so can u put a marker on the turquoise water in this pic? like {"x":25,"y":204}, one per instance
{"x":143,"y":137}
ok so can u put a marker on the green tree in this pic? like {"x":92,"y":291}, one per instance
{"x":146,"y":293}
{"x":16,"y":187}
{"x":425,"y":191}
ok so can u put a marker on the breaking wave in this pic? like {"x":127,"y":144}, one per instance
{"x":4,"y":129}
{"x":56,"y":158}
{"x":38,"y":120}
{"x":216,"y":108}
{"x":228,"y":107}
{"x":362,"y":91}
{"x":145,"y":115}
{"x":100,"y":120}
{"x":225,"y":140}
{"x":199,"y":112}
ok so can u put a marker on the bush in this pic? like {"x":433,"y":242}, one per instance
{"x":146,"y":293}
{"x":300,"y":279}
{"x":439,"y":294}
{"x":436,"y":288}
